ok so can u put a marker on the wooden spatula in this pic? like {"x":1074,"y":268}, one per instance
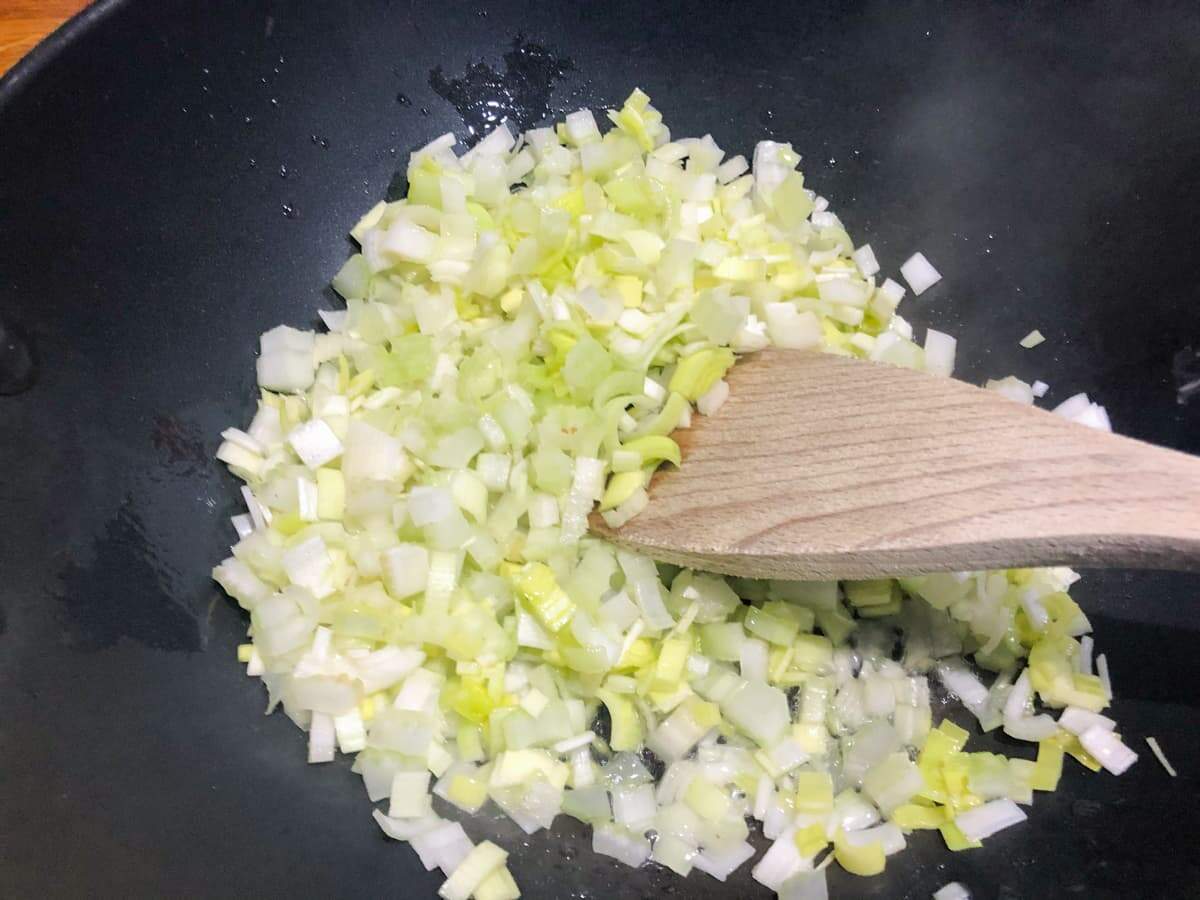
{"x":822,"y":467}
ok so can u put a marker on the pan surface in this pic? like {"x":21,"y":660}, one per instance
{"x":177,"y":177}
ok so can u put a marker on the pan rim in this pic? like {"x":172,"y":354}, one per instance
{"x":46,"y":51}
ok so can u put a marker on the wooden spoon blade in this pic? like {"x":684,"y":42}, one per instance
{"x":822,"y":467}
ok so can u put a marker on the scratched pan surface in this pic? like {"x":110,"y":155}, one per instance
{"x":177,"y":177}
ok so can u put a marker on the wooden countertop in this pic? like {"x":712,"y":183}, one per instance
{"x":25,"y":22}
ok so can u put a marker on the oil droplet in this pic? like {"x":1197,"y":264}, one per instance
{"x":520,"y":94}
{"x":403,"y":100}
{"x":288,"y":212}
{"x":253,"y":163}
{"x":248,"y":120}
{"x":320,"y":142}
{"x":424,"y":111}
{"x":274,"y":102}
{"x":568,"y":853}
{"x":205,"y":70}
{"x":283,"y":172}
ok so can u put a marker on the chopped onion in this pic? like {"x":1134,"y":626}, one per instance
{"x":483,"y":859}
{"x":984,"y":821}
{"x":1108,"y":749}
{"x":1032,"y":339}
{"x":919,"y":273}
{"x":1152,"y":743}
{"x":864,"y":258}
{"x":952,"y":891}
{"x":1077,"y":721}
{"x":720,"y":863}
{"x":1102,"y":671}
{"x":612,"y":840}
{"x":522,"y":335}
{"x":939,"y":353}
{"x":805,"y":886}
{"x":321,"y":738}
{"x":409,"y":795}
{"x":781,"y":861}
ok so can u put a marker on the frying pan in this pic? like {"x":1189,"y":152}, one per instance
{"x":177,"y":177}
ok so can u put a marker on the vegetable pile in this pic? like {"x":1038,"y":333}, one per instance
{"x":522,"y":335}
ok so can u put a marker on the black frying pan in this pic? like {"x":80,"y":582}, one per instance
{"x":177,"y":177}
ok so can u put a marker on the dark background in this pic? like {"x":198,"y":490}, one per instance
{"x":177,"y":177}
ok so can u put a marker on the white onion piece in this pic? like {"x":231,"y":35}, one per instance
{"x":1152,"y":743}
{"x":1077,"y":720}
{"x":984,"y":821}
{"x":1108,"y":749}
{"x":919,"y":273}
{"x":939,"y":353}
{"x":952,"y":891}
{"x":864,"y":258}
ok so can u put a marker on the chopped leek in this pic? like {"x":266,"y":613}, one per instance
{"x":523,"y":333}
{"x":864,"y":859}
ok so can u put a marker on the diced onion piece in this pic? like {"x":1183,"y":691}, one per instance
{"x":864,"y":258}
{"x":409,"y":795}
{"x":1013,"y":388}
{"x":1032,"y":339}
{"x":482,"y":861}
{"x":713,"y":399}
{"x":889,"y":837}
{"x":984,"y":821}
{"x":406,"y":829}
{"x":634,"y":807}
{"x":791,"y":329}
{"x":1077,"y":720}
{"x":805,"y":886}
{"x":1105,"y":677}
{"x":321,"y":738}
{"x":612,"y":840}
{"x":1152,"y":743}
{"x":919,"y":273}
{"x":721,"y":862}
{"x":315,"y":443}
{"x":939,"y":353}
{"x":1108,"y":749}
{"x":952,"y":891}
{"x":781,"y":861}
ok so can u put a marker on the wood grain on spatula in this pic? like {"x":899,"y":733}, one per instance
{"x":821,"y":467}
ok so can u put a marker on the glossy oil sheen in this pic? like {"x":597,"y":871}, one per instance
{"x":176,"y":178}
